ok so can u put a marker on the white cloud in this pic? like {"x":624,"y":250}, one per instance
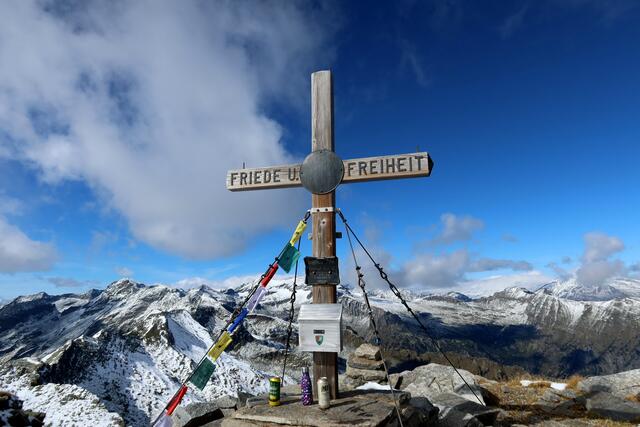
{"x":599,"y":246}
{"x":490,"y":264}
{"x":457,"y":228}
{"x":598,"y":272}
{"x":67,"y":282}
{"x":436,"y":271}
{"x":596,"y":268}
{"x":124,"y":272}
{"x":489,"y":285}
{"x":151,"y":102}
{"x":562,"y":273}
{"x":10,"y":206}
{"x":229,"y":282}
{"x":19,"y":253}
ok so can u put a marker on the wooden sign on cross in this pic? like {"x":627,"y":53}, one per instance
{"x":321,"y":172}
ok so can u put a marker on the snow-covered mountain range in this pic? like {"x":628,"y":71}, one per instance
{"x":122,"y":351}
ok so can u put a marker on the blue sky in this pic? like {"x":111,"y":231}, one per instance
{"x":117,"y":125}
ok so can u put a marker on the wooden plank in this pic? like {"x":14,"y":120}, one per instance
{"x":396,"y":166}
{"x":323,"y":223}
{"x":284,"y":176}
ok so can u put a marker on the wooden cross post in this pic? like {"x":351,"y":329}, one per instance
{"x":320,"y":173}
{"x":323,"y":233}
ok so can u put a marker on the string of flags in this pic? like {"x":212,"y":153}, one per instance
{"x":205,"y":369}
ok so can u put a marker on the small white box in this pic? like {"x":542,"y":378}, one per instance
{"x":320,"y":327}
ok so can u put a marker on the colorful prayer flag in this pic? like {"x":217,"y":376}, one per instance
{"x":223,"y":342}
{"x":175,"y":401}
{"x":298,"y":232}
{"x":203,"y":372}
{"x":288,"y":257}
{"x":239,"y":319}
{"x":164,"y":421}
{"x":255,"y":298}
{"x":269,"y":274}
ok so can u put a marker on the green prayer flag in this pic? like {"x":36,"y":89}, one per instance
{"x":203,"y":372}
{"x":288,"y":257}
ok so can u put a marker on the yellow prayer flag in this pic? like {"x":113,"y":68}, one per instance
{"x":296,"y":234}
{"x":222,"y":343}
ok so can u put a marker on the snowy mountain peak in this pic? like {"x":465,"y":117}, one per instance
{"x":122,"y":288}
{"x":514,"y":292}
{"x":33,"y":297}
{"x":618,"y":288}
{"x":458,"y":296}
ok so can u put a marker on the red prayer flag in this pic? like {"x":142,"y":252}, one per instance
{"x":270,"y":273}
{"x":173,"y":404}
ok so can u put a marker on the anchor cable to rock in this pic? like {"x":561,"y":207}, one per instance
{"x":372,"y":321}
{"x":398,"y":294}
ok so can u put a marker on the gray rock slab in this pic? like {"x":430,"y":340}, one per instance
{"x":368,"y":351}
{"x":607,"y":405}
{"x":355,"y":408}
{"x":458,"y":411}
{"x":433,"y":379}
{"x":196,"y":414}
{"x":563,"y":423}
{"x":226,"y":402}
{"x":621,"y":384}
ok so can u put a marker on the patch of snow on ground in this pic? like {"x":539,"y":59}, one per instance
{"x":373,"y":386}
{"x":556,"y":386}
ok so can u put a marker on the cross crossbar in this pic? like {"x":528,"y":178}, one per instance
{"x":411,"y":165}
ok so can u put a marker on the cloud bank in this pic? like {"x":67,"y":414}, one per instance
{"x":596,"y":266}
{"x":150,"y":103}
{"x":20,"y":253}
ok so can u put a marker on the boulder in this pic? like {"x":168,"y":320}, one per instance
{"x":365,"y":374}
{"x":621,"y":384}
{"x":433,"y":379}
{"x":456,"y":411}
{"x":364,"y":363}
{"x":561,"y":403}
{"x":419,"y":412}
{"x":368,"y":351}
{"x":196,"y":414}
{"x":607,"y":405}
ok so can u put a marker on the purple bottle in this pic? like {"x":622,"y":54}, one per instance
{"x":305,"y":387}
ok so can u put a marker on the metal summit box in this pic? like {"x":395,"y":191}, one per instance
{"x":320,"y":327}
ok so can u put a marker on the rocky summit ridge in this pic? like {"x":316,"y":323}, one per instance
{"x":122,"y":351}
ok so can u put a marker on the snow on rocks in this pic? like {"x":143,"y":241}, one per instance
{"x":65,"y":405}
{"x":13,"y":414}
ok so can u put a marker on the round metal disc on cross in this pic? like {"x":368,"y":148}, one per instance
{"x":321,"y":172}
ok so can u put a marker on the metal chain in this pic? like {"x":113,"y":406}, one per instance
{"x":291,"y":314}
{"x":372,"y":321}
{"x":396,"y":292}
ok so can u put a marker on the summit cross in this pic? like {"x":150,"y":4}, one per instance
{"x":320,"y":173}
